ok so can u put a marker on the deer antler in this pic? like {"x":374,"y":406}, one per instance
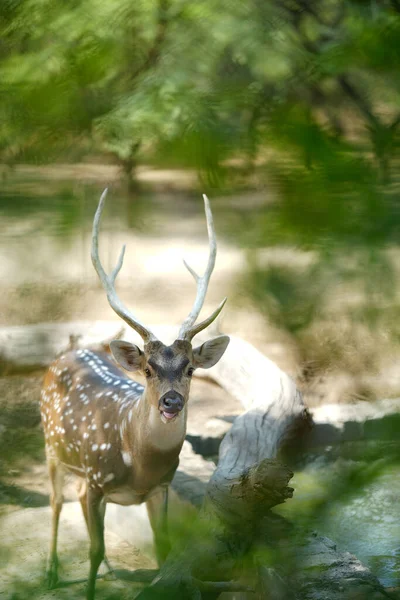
{"x":188,"y":330}
{"x":108,"y":281}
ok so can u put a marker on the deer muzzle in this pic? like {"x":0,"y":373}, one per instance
{"x":171,"y":404}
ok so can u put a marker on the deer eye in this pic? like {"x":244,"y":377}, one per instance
{"x":190,"y":372}
{"x":147,"y":372}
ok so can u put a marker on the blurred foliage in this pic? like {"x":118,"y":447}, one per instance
{"x":201,"y":82}
{"x":290,"y":297}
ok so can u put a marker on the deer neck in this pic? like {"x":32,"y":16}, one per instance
{"x":146,"y":432}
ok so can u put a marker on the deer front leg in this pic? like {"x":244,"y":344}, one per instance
{"x":56,"y":474}
{"x":157,"y":509}
{"x":95,"y":521}
{"x":82,"y":495}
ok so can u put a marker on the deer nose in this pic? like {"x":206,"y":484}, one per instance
{"x":171,"y":402}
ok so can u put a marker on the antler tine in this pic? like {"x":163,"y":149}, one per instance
{"x":191,"y":271}
{"x":108,"y":281}
{"x":200,"y":326}
{"x":119,"y":264}
{"x":187,"y":330}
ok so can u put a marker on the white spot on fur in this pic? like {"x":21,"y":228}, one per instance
{"x":126,"y":457}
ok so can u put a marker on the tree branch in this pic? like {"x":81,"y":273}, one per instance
{"x":154,"y":53}
{"x":358,"y":100}
{"x":395,"y":123}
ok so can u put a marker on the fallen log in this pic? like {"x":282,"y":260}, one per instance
{"x":26,"y":348}
{"x":236,"y":540}
{"x":248,"y":480}
{"x":30,"y":347}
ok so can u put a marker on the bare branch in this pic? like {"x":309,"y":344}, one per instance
{"x":349,"y":89}
{"x":395,"y":123}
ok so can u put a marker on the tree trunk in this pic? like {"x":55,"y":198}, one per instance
{"x":128,"y":168}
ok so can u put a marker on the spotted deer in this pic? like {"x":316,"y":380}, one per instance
{"x":121,"y":438}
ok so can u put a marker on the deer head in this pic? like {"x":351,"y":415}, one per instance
{"x":167,"y":369}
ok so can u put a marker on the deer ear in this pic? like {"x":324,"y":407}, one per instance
{"x":209,"y":353}
{"x":127,"y":355}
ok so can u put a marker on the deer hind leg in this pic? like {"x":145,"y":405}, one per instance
{"x":105,"y":559}
{"x":157,"y":509}
{"x":56,"y":474}
{"x":82,"y":495}
{"x":95,"y":522}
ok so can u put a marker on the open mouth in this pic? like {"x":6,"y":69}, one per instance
{"x":170,"y":405}
{"x":169,"y":416}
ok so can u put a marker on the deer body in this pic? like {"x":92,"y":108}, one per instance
{"x":121,"y":438}
{"x":96,"y":426}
